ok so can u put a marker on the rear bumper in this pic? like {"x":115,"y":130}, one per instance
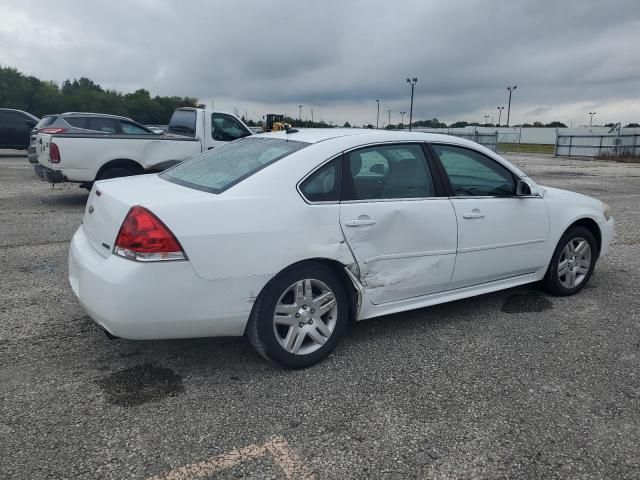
{"x":48,"y":175}
{"x":144,"y":301}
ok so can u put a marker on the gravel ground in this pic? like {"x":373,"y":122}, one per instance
{"x":515,"y":384}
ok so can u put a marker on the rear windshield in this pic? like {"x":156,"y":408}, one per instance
{"x":222,"y":167}
{"x":183,"y":122}
{"x":45,"y":121}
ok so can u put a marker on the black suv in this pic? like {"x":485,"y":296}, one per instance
{"x":15,"y":127}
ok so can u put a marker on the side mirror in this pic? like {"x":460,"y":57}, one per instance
{"x":523,"y":189}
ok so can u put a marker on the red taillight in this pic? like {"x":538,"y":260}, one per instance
{"x":54,"y":153}
{"x":145,"y":238}
{"x":52,"y":130}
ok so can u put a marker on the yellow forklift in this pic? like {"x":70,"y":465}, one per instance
{"x":275,"y":122}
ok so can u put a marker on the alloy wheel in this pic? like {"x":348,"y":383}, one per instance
{"x":574,"y":262}
{"x":305,"y":316}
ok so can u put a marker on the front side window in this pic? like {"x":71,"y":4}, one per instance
{"x":473,"y":174}
{"x":323,"y":185}
{"x":222,"y":167}
{"x":388,"y":172}
{"x":225,"y":128}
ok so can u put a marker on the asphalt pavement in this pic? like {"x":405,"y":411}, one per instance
{"x":514,"y":384}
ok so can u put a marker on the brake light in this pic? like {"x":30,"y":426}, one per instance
{"x":52,"y":130}
{"x":143,"y":237}
{"x":54,"y":153}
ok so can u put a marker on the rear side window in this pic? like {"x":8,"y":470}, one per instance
{"x":183,"y":122}
{"x":45,"y":121}
{"x":106,"y":125}
{"x":323,"y":185}
{"x":222,"y":167}
{"x":15,"y":119}
{"x":78,"y":122}
{"x":387,"y":172}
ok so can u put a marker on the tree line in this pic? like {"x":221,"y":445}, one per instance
{"x":40,"y":98}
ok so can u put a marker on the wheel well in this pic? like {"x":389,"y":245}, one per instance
{"x":135,"y":167}
{"x":339,"y":269}
{"x":593,"y":227}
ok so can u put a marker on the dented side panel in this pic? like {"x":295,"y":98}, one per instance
{"x":409,"y":251}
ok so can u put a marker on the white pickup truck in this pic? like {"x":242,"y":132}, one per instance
{"x":85,"y":158}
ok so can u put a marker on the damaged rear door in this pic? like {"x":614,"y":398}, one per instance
{"x":401,"y":231}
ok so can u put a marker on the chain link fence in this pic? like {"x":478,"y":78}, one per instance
{"x":609,"y":145}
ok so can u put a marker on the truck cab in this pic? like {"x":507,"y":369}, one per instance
{"x":213,"y":128}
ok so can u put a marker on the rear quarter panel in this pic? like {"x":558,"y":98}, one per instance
{"x":260,"y":226}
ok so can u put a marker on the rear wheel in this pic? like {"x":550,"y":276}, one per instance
{"x":115,"y":173}
{"x":572,"y":263}
{"x":300,"y":316}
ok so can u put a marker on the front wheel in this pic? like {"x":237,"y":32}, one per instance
{"x":572,"y":263}
{"x":300,"y":316}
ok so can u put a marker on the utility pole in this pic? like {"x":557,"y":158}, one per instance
{"x":389,"y":116}
{"x":300,"y":113}
{"x":402,"y":115}
{"x":378,"y":117}
{"x":412,"y":82}
{"x":312,"y":115}
{"x":591,"y":119}
{"x":499,"y":114}
{"x":511,"y":89}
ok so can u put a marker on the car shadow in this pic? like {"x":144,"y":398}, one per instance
{"x":230,"y":355}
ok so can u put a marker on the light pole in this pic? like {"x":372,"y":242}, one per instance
{"x":378,"y":117}
{"x":300,"y":113}
{"x":402,"y":115}
{"x":511,"y":89}
{"x":499,"y":114}
{"x":389,"y":111}
{"x":591,"y":119}
{"x":412,"y":82}
{"x":486,"y":117}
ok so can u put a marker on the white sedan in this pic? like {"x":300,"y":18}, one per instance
{"x":286,"y":237}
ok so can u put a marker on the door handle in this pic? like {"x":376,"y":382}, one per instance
{"x":475,"y":213}
{"x":362,"y":221}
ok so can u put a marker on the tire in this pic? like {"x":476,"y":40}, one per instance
{"x":276,"y":334}
{"x":115,"y":172}
{"x":577,"y":263}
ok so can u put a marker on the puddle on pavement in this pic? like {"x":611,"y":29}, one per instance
{"x":526,"y":302}
{"x":140,"y":384}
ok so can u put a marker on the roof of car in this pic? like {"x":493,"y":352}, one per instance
{"x":92,"y":114}
{"x":19,"y":111}
{"x":316,"y":135}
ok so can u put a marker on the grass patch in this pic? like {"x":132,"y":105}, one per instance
{"x":526,"y":148}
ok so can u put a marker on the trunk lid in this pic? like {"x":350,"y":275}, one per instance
{"x":110,"y":201}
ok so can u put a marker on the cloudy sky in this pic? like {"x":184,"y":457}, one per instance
{"x":567,"y":57}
